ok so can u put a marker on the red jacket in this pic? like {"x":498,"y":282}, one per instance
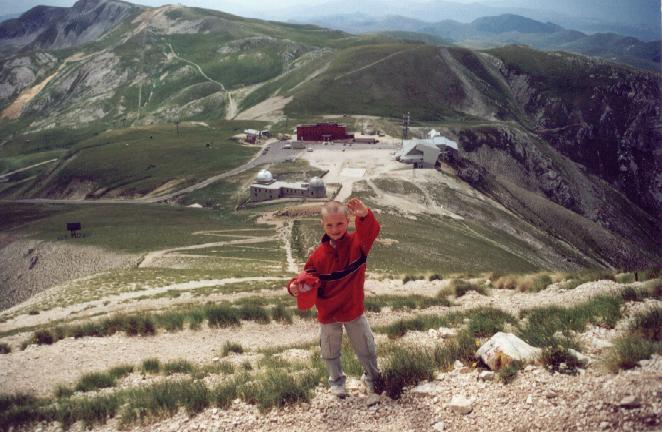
{"x":341,"y":271}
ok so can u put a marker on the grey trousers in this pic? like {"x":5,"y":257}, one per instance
{"x":362,"y":341}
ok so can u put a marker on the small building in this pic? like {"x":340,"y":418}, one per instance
{"x":266,"y":188}
{"x":252,"y":135}
{"x":322,"y":132}
{"x":423,"y":153}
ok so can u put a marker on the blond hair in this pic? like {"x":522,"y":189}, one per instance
{"x":333,"y":207}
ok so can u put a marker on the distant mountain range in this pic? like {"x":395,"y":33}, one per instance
{"x":636,"y":18}
{"x":493,"y":31}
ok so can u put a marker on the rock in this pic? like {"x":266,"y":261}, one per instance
{"x":579,"y":356}
{"x":446,"y":333}
{"x":604,"y":425}
{"x":439,"y":426}
{"x":216,"y":359}
{"x":629,"y":402}
{"x":458,"y":364}
{"x":529,"y":400}
{"x":432,"y":333}
{"x":486,"y":376}
{"x":372,"y":399}
{"x":428,"y":388}
{"x":461,"y":405}
{"x":503,"y":348}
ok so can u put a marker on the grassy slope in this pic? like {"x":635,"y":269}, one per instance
{"x":137,"y":160}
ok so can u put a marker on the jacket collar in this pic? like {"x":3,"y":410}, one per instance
{"x":326,"y":240}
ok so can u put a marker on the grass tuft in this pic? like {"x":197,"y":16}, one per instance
{"x":229,"y":347}
{"x":459,"y":287}
{"x":559,"y":359}
{"x":277,"y":388}
{"x":151,"y":365}
{"x":508,"y":374}
{"x":178,"y":366}
{"x":406,"y":366}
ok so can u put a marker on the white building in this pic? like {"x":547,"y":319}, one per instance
{"x":267,"y":188}
{"x":423,"y":153}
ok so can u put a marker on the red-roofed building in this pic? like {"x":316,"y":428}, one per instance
{"x":322,"y":132}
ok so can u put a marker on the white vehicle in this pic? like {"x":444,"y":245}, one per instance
{"x":309,"y":149}
{"x":287,"y":146}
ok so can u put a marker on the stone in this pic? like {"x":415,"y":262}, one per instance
{"x":486,"y":376}
{"x":458,"y":364}
{"x":529,"y":400}
{"x":629,"y":402}
{"x":579,"y":356}
{"x":432,"y":333}
{"x":439,"y":426}
{"x":372,"y":399}
{"x":604,"y":425}
{"x":503,"y":348}
{"x":446,"y":333}
{"x":465,"y":369}
{"x":216,"y":359}
{"x":461,"y":404}
{"x":428,"y":388}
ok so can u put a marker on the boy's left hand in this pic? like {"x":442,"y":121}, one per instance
{"x":357,"y":208}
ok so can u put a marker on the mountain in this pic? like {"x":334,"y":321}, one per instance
{"x":640,"y":18}
{"x":566,"y":143}
{"x":492,"y":31}
{"x":46,"y":27}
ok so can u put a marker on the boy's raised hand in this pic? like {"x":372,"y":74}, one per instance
{"x":357,"y":208}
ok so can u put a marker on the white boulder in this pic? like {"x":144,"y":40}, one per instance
{"x":503,"y":348}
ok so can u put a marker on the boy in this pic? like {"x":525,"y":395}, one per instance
{"x":332,"y":280}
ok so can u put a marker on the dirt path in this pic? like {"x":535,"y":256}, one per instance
{"x":152,"y":257}
{"x":197,"y":66}
{"x":3,"y":176}
{"x":376,"y":62}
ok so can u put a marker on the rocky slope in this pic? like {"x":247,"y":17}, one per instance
{"x":45,"y":27}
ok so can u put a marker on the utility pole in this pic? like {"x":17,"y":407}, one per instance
{"x":406,"y":119}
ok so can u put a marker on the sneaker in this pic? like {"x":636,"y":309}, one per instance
{"x":369,"y":387}
{"x":339,"y":391}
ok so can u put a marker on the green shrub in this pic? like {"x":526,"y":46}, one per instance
{"x":486,"y":321}
{"x":648,"y":324}
{"x":282,"y":314}
{"x":559,"y":359}
{"x":435,"y":277}
{"x":162,"y":399}
{"x":151,"y":365}
{"x":90,"y":411}
{"x":223,"y":394}
{"x":542,"y":323}
{"x":254,"y":312}
{"x":178,"y":366}
{"x":628,"y":350}
{"x":171,"y":321}
{"x":462,"y":347}
{"x":409,"y":278}
{"x":460,"y":287}
{"x":275,"y":388}
{"x":222,"y":316}
{"x":653,"y":288}
{"x":142,"y":325}
{"x":229,"y":347}
{"x":625,"y":278}
{"x":121,"y":371}
{"x":63,"y":391}
{"x":43,"y":337}
{"x":94,"y":381}
{"x":406,"y":366}
{"x":507,"y":374}
{"x":4,"y":348}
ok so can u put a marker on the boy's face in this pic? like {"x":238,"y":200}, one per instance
{"x":335,"y":225}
